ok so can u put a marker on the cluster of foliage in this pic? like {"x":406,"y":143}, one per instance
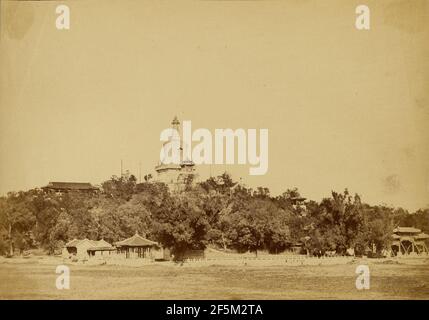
{"x":218,"y":211}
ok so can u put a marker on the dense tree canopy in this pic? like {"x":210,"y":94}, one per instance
{"x":218,"y":212}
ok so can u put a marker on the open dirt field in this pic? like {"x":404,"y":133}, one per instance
{"x":35,"y":279}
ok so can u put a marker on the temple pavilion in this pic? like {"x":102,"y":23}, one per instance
{"x":409,"y":241}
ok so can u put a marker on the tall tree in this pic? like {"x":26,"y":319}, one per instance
{"x":16,"y":217}
{"x":181,"y":224}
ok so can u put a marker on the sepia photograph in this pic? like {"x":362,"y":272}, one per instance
{"x":214,"y":150}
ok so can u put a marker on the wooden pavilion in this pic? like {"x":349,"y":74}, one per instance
{"x":136,"y":247}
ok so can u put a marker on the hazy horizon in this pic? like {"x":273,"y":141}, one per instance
{"x":344,"y":108}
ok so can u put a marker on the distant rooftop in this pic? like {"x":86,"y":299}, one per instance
{"x":70,"y":186}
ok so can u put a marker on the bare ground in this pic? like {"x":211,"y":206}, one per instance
{"x":35,"y":279}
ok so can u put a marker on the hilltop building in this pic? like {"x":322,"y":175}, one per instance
{"x":64,"y":187}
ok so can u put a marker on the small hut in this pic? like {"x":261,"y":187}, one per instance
{"x":86,"y":248}
{"x":409,"y":241}
{"x":101,"y":248}
{"x":136,"y":247}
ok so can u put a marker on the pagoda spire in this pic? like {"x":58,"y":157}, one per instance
{"x":175,"y":123}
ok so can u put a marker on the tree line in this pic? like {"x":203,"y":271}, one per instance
{"x":218,"y":212}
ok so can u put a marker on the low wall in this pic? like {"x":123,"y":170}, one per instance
{"x":217,"y":257}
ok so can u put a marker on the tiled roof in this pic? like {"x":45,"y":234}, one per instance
{"x":73,"y":243}
{"x":94,"y":243}
{"x":136,"y":241}
{"x":422,"y":236}
{"x":70,"y":186}
{"x":103,"y":243}
{"x":406,"y":230}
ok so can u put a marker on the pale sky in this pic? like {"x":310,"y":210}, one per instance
{"x":344,"y":108}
